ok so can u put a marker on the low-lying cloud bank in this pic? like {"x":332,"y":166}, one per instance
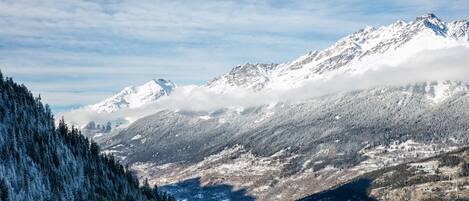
{"x":433,"y":65}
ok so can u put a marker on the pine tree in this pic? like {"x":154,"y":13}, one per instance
{"x":62,"y":128}
{"x":3,"y":189}
{"x":146,"y":190}
{"x":94,"y":148}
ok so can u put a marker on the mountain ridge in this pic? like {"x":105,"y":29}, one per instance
{"x":356,"y":53}
{"x":365,"y":50}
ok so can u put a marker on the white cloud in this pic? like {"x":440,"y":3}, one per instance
{"x":434,"y":65}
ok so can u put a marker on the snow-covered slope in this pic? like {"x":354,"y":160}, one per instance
{"x":322,"y":140}
{"x":369,"y":48}
{"x":134,"y":97}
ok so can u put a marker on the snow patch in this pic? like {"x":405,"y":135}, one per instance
{"x":397,"y":153}
{"x":136,"y":137}
{"x":205,"y":117}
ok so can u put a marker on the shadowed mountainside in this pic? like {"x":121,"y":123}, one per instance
{"x":193,"y":190}
{"x":352,"y":191}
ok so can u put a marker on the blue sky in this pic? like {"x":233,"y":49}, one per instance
{"x":78,"y":52}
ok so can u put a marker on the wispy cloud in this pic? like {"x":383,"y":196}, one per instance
{"x":116,"y":43}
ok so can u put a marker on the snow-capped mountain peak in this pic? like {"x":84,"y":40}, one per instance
{"x":431,"y":21}
{"x":367,"y":49}
{"x":135,"y":96}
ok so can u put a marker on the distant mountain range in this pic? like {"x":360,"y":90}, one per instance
{"x":289,"y":149}
{"x":365,"y":50}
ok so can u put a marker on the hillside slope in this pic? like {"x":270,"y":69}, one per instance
{"x":39,"y":162}
{"x":443,"y":177}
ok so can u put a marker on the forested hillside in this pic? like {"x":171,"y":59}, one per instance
{"x":41,"y":162}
